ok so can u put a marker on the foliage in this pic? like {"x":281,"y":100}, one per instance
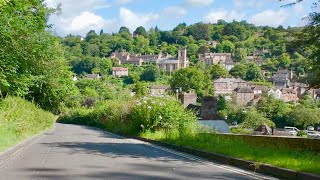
{"x":217,"y":71}
{"x":20,"y":119}
{"x":192,"y":78}
{"x":151,"y":73}
{"x":303,"y":116}
{"x":31,"y":60}
{"x":253,"y":119}
{"x":154,"y":114}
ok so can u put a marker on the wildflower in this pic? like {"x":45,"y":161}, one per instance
{"x":160,"y":117}
{"x":149,"y":107}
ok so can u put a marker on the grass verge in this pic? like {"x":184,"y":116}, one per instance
{"x":19,"y":120}
{"x":303,"y":161}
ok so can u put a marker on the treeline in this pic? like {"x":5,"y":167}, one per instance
{"x":242,"y":39}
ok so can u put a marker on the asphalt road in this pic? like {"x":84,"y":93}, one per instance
{"x":78,"y":152}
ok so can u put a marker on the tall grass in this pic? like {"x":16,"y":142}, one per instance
{"x":304,"y":161}
{"x":20,"y":119}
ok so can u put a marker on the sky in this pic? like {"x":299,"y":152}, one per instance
{"x":81,"y":16}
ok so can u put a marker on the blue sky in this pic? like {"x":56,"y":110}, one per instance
{"x":78,"y":17}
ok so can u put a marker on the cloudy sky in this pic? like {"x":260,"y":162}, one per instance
{"x":78,"y":17}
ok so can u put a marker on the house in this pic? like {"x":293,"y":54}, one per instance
{"x":257,"y":60}
{"x":215,"y":58}
{"x":282,"y":78}
{"x":258,"y":89}
{"x":275,"y":93}
{"x":229,"y":65}
{"x":158,"y":90}
{"x":289,"y":95}
{"x":226,"y":86}
{"x":209,"y":108}
{"x":188,"y":98}
{"x":244,"y":95}
{"x":93,"y":76}
{"x":164,"y":61}
{"x":120,"y":71}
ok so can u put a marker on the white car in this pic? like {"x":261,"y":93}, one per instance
{"x":313,"y":134}
{"x":292,"y":130}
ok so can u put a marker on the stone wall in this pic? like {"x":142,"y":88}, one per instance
{"x":209,"y":108}
{"x":295,"y":143}
{"x":188,"y":98}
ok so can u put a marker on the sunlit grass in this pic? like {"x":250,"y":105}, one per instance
{"x":20,"y":119}
{"x":304,"y":161}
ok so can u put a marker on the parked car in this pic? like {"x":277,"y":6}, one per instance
{"x":310,"y":128}
{"x":313,"y":134}
{"x":292,"y":130}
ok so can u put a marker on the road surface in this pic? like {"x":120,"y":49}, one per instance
{"x":79,"y":152}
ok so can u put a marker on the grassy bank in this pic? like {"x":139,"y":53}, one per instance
{"x":19,"y":120}
{"x":304,"y":161}
{"x":166,"y":120}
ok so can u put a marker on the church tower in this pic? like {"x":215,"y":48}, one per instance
{"x":182,"y":58}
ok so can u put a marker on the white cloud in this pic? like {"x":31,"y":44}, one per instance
{"x":270,"y":18}
{"x":242,"y":4}
{"x":198,"y":3}
{"x":214,"y":16}
{"x":174,"y":11}
{"x":77,"y":18}
{"x":133,"y":20}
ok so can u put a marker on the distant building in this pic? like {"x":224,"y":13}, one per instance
{"x":157,"y":90}
{"x":215,"y":58}
{"x":282,"y":78}
{"x":93,"y":76}
{"x":120,"y":71}
{"x":275,"y":93}
{"x":164,"y":61}
{"x":244,"y":95}
{"x":188,"y":98}
{"x":289,"y":95}
{"x":225,"y":86}
{"x":209,"y":108}
{"x":229,"y":65}
{"x":259,"y":89}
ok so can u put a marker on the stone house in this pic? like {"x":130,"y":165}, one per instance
{"x":289,"y":95}
{"x":209,"y":108}
{"x":244,"y":95}
{"x":282,"y":78}
{"x":188,"y":98}
{"x":93,"y":76}
{"x":158,"y":90}
{"x":215,"y":58}
{"x":257,"y":90}
{"x":165,"y":62}
{"x":120,"y":71}
{"x":275,"y":93}
{"x":229,"y":65}
{"x":226,"y":86}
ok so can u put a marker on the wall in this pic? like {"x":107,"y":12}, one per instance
{"x":295,"y":143}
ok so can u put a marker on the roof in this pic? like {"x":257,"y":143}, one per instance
{"x":167,"y":61}
{"x":244,"y":90}
{"x":93,"y":76}
{"x":288,"y":91}
{"x":233,"y":80}
{"x":160,"y":87}
{"x":259,"y":88}
{"x":119,"y":69}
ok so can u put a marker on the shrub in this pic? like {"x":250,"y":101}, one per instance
{"x":157,"y":114}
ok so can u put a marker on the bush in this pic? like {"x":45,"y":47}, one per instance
{"x":20,"y":119}
{"x":157,"y":114}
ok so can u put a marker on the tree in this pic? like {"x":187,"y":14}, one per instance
{"x":151,"y":73}
{"x":253,"y":72}
{"x":141,"y":31}
{"x":203,"y":49}
{"x":284,"y":61}
{"x":200,"y":31}
{"x":31,"y":60}
{"x":217,"y":70}
{"x":239,"y":70}
{"x":240,"y":54}
{"x":304,"y":116}
{"x":124,"y":30}
{"x":192,"y":78}
{"x":253,"y":119}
